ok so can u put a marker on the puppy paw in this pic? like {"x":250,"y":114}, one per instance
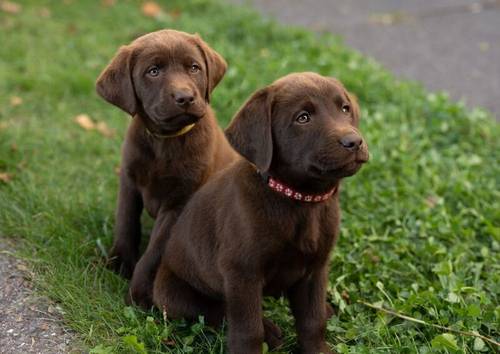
{"x":321,"y":349}
{"x":272,"y":334}
{"x":122,"y":262}
{"x":139,"y":296}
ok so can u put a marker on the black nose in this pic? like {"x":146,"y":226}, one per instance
{"x":183,"y":98}
{"x":351,"y":142}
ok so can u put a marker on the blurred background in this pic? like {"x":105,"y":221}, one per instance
{"x":451,"y":45}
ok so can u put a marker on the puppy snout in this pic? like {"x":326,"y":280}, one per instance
{"x":183,"y":98}
{"x":351,"y":142}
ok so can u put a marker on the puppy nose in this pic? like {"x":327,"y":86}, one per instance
{"x":351,"y":142}
{"x":183,"y":98}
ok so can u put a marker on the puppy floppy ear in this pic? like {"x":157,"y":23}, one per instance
{"x":115,"y":82}
{"x":250,"y":131}
{"x":215,"y":64}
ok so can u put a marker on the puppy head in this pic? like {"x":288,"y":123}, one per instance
{"x":304,"y":126}
{"x":166,"y":77}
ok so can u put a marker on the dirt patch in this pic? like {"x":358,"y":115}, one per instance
{"x":28,"y":323}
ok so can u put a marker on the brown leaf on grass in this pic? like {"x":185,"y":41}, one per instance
{"x":72,"y":29}
{"x":105,"y":130}
{"x":5,"y":177}
{"x":151,"y":9}
{"x":84,"y":121}
{"x":168,"y":342}
{"x":44,"y":12}
{"x":15,"y":101}
{"x":108,"y":3}
{"x":10,"y":7}
{"x":345,"y":295}
{"x":432,"y":201}
{"x":117,"y":170}
{"x":175,"y":14}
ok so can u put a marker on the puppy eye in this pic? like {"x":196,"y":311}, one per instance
{"x":154,"y":71}
{"x":303,"y":117}
{"x":346,"y":108}
{"x":194,"y":68}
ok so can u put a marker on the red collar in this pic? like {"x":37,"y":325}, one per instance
{"x":282,"y":188}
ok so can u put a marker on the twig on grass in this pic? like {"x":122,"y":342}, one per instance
{"x":416,"y":320}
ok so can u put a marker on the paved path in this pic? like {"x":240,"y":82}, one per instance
{"x":451,"y":45}
{"x":29,"y":324}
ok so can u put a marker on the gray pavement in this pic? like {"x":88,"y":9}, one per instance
{"x":451,"y":45}
{"x":29,"y":324}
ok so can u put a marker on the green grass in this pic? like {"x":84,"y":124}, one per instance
{"x":421,"y":222}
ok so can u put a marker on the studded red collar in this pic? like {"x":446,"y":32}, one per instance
{"x":282,"y":188}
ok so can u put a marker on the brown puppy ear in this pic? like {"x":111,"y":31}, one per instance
{"x":250,"y":131}
{"x":115,"y":82}
{"x":215,"y":64}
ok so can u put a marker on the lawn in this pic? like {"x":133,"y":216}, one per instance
{"x":421,"y":222}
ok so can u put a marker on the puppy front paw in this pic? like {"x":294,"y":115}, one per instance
{"x":322,"y":348}
{"x":139,"y":295}
{"x":272,"y":334}
{"x":122,"y":261}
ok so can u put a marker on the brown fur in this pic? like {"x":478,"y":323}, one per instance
{"x":160,"y":173}
{"x":237,"y":240}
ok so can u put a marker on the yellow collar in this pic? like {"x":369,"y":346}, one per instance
{"x":180,"y":132}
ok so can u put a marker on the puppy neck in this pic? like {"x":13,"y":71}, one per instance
{"x":307,"y":191}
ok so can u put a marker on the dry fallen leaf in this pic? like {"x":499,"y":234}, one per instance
{"x":117,"y":170}
{"x":10,"y":7}
{"x":175,"y":14}
{"x":345,"y":295}
{"x":84,"y":121}
{"x":432,"y":201}
{"x":105,"y":130}
{"x":108,"y":3}
{"x":44,"y":12}
{"x":484,"y":46}
{"x":390,"y":18}
{"x":22,"y":267}
{"x":151,"y":9}
{"x":5,"y":177}
{"x":169,"y":342}
{"x":15,"y":101}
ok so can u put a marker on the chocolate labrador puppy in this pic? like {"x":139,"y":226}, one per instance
{"x":266,"y":224}
{"x":164,"y":80}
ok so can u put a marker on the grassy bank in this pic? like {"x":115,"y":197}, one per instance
{"x":421,"y":222}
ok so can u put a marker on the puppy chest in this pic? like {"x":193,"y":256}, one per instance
{"x":283,"y":273}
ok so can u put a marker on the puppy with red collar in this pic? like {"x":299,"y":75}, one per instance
{"x":266,"y":224}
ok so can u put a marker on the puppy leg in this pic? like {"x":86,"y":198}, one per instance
{"x":125,"y":251}
{"x":272,"y":334}
{"x":244,"y":314}
{"x":141,"y":286}
{"x":308,"y":304}
{"x":177,"y":299}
